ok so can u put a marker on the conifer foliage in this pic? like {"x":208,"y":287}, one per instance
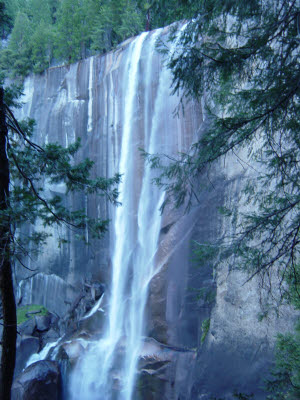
{"x":25,"y":168}
{"x":43,"y":32}
{"x":242,"y":60}
{"x":47,"y":31}
{"x":239,"y":58}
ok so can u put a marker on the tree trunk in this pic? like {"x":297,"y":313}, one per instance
{"x":9,"y":336}
{"x":148,"y":21}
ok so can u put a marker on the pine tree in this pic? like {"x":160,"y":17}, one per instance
{"x":115,"y":22}
{"x":42,"y":47}
{"x":285,"y":381}
{"x":9,"y":336}
{"x":20,"y":45}
{"x":72,"y":30}
{"x":6,"y":21}
{"x":161,"y":13}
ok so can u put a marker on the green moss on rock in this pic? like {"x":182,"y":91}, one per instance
{"x":205,"y":328}
{"x":24,"y":312}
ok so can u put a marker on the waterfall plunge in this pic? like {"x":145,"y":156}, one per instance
{"x":116,"y":103}
{"x":115,"y":356}
{"x":107,"y":370}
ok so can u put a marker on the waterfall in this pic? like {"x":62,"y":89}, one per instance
{"x":90,"y":102}
{"x":117,"y":103}
{"x":111,"y":362}
{"x":107,"y":371}
{"x":149,"y":221}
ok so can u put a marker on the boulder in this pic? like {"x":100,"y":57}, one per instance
{"x":40,"y":381}
{"x":74,"y":349}
{"x":163,"y":371}
{"x":43,"y":322}
{"x":54,"y":319}
{"x":50,"y":336}
{"x":26,"y":346}
{"x":27,"y":327}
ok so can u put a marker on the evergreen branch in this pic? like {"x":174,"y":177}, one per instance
{"x":25,"y":266}
{"x":42,"y":200}
{"x":19,"y":131}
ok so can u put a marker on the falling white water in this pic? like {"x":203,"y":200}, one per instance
{"x":42,"y":355}
{"x":107,"y":370}
{"x":149,"y":221}
{"x":95,"y":308}
{"x":98,"y":369}
{"x":90,"y":102}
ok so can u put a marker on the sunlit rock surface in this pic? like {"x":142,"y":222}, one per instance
{"x":87,"y":100}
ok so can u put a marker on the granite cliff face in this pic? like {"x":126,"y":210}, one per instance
{"x":89,"y":100}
